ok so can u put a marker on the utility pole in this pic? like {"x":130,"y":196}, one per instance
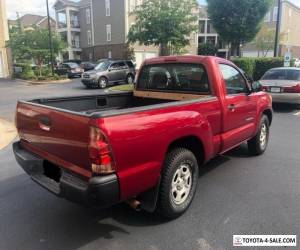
{"x":276,"y":47}
{"x":50,"y":39}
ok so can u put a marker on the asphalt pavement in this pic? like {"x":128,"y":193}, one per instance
{"x":237,"y":194}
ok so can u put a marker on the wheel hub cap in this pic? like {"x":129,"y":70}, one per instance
{"x":263,"y":136}
{"x":181,"y":184}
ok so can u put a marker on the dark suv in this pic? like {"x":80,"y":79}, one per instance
{"x":109,"y":72}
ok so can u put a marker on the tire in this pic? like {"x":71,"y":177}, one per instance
{"x":129,"y":79}
{"x":258,"y":144}
{"x":103,"y":82}
{"x":179,"y":161}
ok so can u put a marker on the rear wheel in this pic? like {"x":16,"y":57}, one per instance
{"x":178,"y":183}
{"x":259,"y":143}
{"x":103,"y":82}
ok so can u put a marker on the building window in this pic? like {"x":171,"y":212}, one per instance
{"x":131,"y":5}
{"x":267,"y":17}
{"x":275,"y":14}
{"x":89,"y":37}
{"x":107,"y":7}
{"x":88,"y":16}
{"x":290,"y":12}
{"x":108,"y":32}
{"x":202,"y":26}
{"x":211,"y":40}
{"x":201,"y":40}
{"x":109,"y":54}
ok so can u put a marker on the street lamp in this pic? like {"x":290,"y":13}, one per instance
{"x":50,"y":39}
{"x":277,"y":29}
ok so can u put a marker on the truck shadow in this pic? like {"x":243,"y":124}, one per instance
{"x":55,"y":223}
{"x":285,"y":108}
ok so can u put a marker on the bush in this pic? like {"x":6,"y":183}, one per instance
{"x":28,"y":75}
{"x":207,"y":49}
{"x":262,"y":65}
{"x":246,"y":64}
{"x":257,"y":67}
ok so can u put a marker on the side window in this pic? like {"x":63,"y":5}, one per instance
{"x":234,"y":81}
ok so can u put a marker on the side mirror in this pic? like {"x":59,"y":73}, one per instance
{"x":256,"y":87}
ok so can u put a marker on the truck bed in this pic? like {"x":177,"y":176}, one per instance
{"x":87,"y":105}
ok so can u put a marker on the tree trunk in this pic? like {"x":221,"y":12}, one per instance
{"x":235,"y":49}
{"x":164,"y":50}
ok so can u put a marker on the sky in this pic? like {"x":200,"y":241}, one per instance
{"x":38,"y":7}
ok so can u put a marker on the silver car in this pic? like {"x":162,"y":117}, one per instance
{"x":109,"y":72}
{"x":283,"y":84}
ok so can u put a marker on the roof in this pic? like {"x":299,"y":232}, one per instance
{"x":29,"y":20}
{"x":203,"y":11}
{"x":185,"y":59}
{"x":286,"y":68}
{"x":67,"y":3}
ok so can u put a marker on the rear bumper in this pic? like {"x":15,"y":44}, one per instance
{"x":101,"y":191}
{"x":292,"y":98}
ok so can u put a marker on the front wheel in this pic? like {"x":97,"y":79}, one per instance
{"x":103,"y":82}
{"x":258,"y":144}
{"x":178,"y":183}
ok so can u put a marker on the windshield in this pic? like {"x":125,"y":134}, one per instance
{"x":72,"y":65}
{"x":282,"y":74}
{"x":103,"y":66}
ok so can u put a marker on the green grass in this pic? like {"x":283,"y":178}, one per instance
{"x":127,"y":87}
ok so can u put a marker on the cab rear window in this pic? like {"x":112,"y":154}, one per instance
{"x":177,"y":77}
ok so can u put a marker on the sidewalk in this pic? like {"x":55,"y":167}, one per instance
{"x":7,"y":133}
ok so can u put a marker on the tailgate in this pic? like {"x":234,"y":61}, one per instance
{"x":59,"y":137}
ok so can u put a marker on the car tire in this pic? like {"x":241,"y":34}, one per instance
{"x":129,"y":79}
{"x":178,"y":183}
{"x":258,"y":144}
{"x":103,"y":82}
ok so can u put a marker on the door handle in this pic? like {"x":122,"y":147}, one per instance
{"x":231,"y":107}
{"x":45,"y":123}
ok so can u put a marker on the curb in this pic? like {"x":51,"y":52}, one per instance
{"x":43,"y":82}
{"x":8,"y":133}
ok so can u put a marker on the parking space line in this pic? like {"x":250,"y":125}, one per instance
{"x":297,"y":114}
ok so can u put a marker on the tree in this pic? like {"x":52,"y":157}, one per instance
{"x":237,"y":22}
{"x":167,"y":24}
{"x":264,"y":40}
{"x":207,"y":49}
{"x":34,"y":45}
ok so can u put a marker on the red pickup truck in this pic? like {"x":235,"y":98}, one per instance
{"x":146,"y":146}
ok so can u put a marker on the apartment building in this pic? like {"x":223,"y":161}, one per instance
{"x":98,"y":29}
{"x":207,"y":33}
{"x":4,"y":61}
{"x":289,"y":30}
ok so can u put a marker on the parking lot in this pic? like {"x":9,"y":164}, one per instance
{"x":237,"y":194}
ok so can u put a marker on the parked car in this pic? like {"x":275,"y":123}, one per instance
{"x":70,"y":69}
{"x":297,"y":62}
{"x":109,"y":72}
{"x":144,"y":147}
{"x":77,"y":61}
{"x":87,"y":66}
{"x":283,"y":84}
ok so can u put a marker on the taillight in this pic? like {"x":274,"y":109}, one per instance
{"x":293,"y":89}
{"x":100,"y":153}
{"x":265,"y":88}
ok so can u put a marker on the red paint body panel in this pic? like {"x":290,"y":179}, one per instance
{"x":139,"y":140}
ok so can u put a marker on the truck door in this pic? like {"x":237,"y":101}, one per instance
{"x":240,"y":108}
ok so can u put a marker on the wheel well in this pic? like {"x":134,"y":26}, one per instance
{"x":193,"y":144}
{"x":269,"y":114}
